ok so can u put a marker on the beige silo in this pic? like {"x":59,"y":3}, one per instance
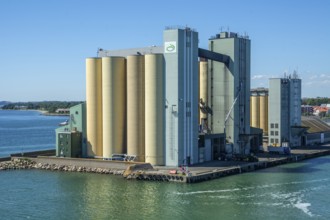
{"x":264,"y":113}
{"x":154,"y":109}
{"x":255,"y":116}
{"x":203,"y":88}
{"x":94,"y":106}
{"x":135,"y":107}
{"x":114,"y":105}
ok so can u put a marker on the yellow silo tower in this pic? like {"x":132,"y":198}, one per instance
{"x":114,"y":105}
{"x":154,"y":109}
{"x":259,"y":109}
{"x":136,"y":107}
{"x":255,"y":111}
{"x":94,"y":107}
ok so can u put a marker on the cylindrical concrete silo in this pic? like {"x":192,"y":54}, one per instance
{"x":264,"y":114}
{"x":255,"y":112}
{"x":114,"y":105}
{"x":154,"y":109}
{"x":94,"y":106}
{"x":135,"y":107}
{"x":203,"y":95}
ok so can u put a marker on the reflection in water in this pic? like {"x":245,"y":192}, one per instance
{"x":266,"y":194}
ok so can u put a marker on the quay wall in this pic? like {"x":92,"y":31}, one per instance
{"x":5,"y":159}
{"x":200,"y":177}
{"x":35,"y":153}
{"x":144,"y":171}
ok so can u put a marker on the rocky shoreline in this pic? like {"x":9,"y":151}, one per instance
{"x":24,"y":163}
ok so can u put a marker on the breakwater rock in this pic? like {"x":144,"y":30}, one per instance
{"x":16,"y":164}
{"x":23,"y":163}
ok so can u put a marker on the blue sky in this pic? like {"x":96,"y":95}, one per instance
{"x":43,"y":44}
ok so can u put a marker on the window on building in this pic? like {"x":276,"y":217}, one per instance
{"x":276,"y":125}
{"x":276,"y":140}
{"x":271,"y":132}
{"x":272,"y":140}
{"x":272,"y":125}
{"x":276,"y":133}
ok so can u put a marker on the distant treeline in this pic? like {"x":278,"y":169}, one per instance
{"x":315,"y":101}
{"x":49,"y":106}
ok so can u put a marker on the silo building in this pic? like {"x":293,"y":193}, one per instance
{"x":259,"y":109}
{"x":172,"y":104}
{"x":284,"y":112}
{"x":229,"y":91}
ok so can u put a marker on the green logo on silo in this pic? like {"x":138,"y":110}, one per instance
{"x":170,"y":47}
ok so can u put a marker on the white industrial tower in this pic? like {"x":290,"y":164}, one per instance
{"x":181,"y":89}
{"x":284,"y":111}
{"x":229,"y":91}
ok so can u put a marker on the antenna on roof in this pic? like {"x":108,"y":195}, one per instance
{"x":98,"y":51}
{"x":295,"y":74}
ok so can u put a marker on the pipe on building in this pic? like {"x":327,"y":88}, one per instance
{"x":203,"y":94}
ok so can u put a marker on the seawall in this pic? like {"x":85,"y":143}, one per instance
{"x":144,"y":171}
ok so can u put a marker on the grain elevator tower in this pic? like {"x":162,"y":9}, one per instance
{"x":181,"y":95}
{"x":229,"y":91}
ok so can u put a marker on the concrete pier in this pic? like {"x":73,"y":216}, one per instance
{"x":218,"y":169}
{"x":144,"y":171}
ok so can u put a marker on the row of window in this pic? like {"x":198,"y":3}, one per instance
{"x":274,"y":125}
{"x":64,"y":136}
{"x":272,"y":140}
{"x":272,"y":133}
{"x":62,"y":143}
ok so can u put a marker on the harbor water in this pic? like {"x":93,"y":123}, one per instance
{"x":292,"y":191}
{"x":25,"y":131}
